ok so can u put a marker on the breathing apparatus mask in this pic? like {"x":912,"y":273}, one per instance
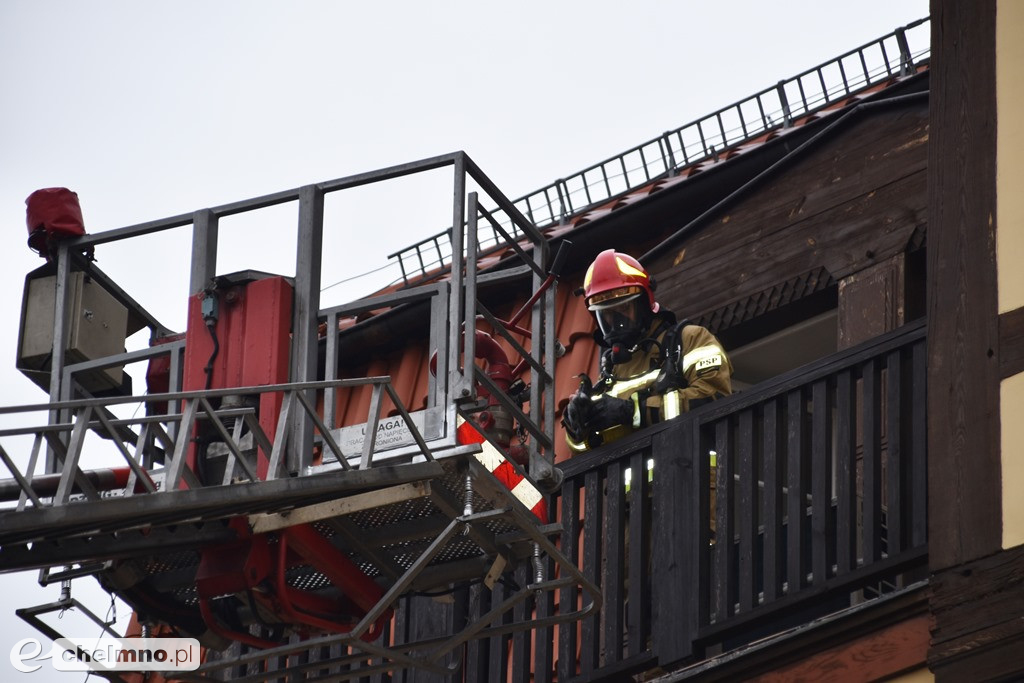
{"x":623,"y":317}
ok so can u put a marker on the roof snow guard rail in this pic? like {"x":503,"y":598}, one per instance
{"x":773,"y":108}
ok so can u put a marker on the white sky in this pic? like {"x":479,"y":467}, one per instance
{"x":149,"y":110}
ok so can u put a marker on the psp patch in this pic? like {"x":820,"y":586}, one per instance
{"x":709,"y":364}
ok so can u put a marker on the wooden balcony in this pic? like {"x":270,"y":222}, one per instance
{"x":690,"y":529}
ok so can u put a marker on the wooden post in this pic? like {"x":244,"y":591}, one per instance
{"x":674,"y":570}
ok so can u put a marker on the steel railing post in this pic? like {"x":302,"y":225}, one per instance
{"x":306,"y":317}
{"x":787,"y":114}
{"x":459,"y":383}
{"x":906,"y":59}
{"x":469,"y":314}
{"x":563,"y":205}
{"x":62,"y":296}
{"x":204,"y":250}
{"x":30,"y":469}
{"x":331,"y":369}
{"x":438,"y":387}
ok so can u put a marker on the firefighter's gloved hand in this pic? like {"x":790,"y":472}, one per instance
{"x":576,"y":415}
{"x":608,"y":411}
{"x":584,"y":416}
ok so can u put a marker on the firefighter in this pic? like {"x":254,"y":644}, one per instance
{"x":652,"y":367}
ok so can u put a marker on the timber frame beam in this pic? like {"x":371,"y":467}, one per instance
{"x":976,"y":589}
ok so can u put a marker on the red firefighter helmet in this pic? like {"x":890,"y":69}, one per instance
{"x":618,"y":291}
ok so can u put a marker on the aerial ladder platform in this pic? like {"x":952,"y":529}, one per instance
{"x":238,"y":511}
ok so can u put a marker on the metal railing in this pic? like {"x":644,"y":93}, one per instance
{"x":155,"y":447}
{"x":693,"y":143}
{"x":453,"y":307}
{"x":455,"y":312}
{"x":195,"y":459}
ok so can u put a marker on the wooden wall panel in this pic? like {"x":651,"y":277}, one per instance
{"x":977,"y":631}
{"x":872,"y":302}
{"x":849,"y":204}
{"x":843,"y":239}
{"x":888,"y":652}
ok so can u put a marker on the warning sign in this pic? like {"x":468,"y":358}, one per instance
{"x":391,"y":433}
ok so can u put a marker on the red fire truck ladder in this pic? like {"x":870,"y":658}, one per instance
{"x":283,"y":534}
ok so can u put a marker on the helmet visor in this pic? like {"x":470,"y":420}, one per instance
{"x":620,"y":319}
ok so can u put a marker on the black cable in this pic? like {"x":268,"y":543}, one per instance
{"x":209,"y":306}
{"x":210,"y":322}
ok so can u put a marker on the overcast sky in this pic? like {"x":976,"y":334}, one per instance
{"x":148,"y":110}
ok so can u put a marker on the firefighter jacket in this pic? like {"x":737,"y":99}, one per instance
{"x":675,"y":369}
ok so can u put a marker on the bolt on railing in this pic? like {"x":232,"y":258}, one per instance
{"x":771,"y":109}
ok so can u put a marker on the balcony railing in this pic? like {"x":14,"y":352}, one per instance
{"x":801,"y":497}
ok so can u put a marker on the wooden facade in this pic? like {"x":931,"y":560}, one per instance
{"x":847,"y":201}
{"x":838,"y":223}
{"x":855,"y":524}
{"x":827,"y":222}
{"x":865,"y":242}
{"x":882,"y":215}
{"x":836,"y":219}
{"x":976,"y":591}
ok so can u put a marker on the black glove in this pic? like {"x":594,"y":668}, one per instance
{"x":576,"y":415}
{"x":584,"y":416}
{"x":608,"y":411}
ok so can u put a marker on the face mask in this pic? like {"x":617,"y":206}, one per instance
{"x":623,"y":321}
